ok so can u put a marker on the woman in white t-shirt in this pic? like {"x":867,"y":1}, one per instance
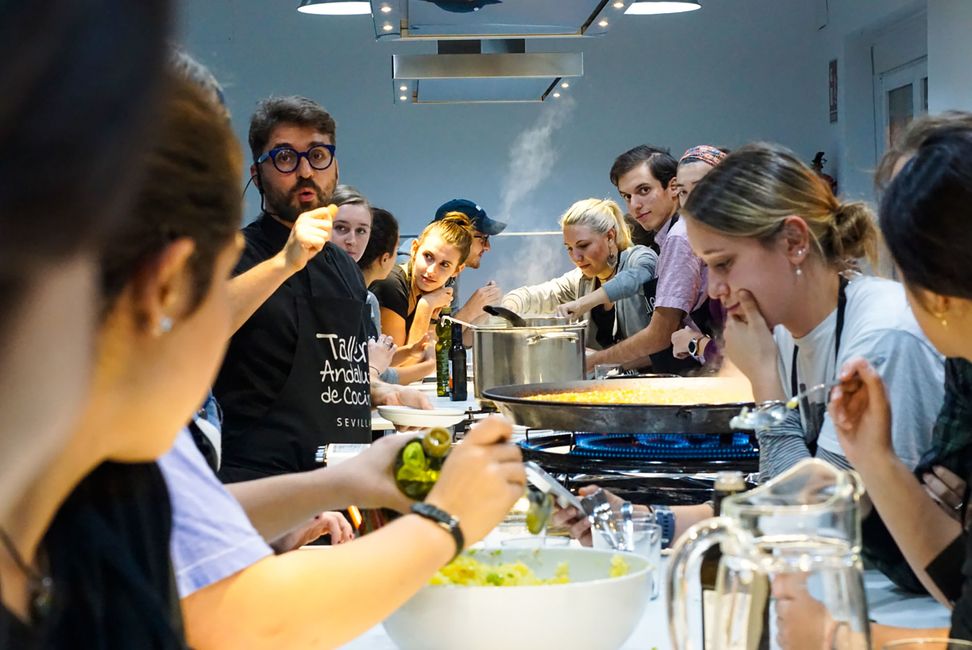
{"x":781,"y":250}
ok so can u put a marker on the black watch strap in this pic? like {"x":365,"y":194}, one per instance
{"x":443,"y":519}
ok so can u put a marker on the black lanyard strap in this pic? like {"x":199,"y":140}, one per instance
{"x":838,"y":331}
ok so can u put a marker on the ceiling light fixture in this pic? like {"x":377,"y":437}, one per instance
{"x":619,"y":5}
{"x":387,"y":27}
{"x":403,"y":98}
{"x":556,"y":94}
{"x":602,"y":23}
{"x":385,"y":9}
{"x":565,"y":85}
{"x":334,"y":7}
{"x":647,"y":7}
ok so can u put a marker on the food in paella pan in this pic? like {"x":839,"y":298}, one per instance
{"x":676,"y":393}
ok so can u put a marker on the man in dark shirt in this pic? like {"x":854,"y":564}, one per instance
{"x":296,"y":372}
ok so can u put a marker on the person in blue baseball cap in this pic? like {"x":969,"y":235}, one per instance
{"x":485,"y":227}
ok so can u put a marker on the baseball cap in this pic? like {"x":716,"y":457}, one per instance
{"x":476,"y":214}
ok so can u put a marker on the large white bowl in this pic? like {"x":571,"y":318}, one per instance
{"x":591,"y":612}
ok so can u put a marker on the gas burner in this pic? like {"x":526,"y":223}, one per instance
{"x":662,"y":446}
{"x":644,"y":468}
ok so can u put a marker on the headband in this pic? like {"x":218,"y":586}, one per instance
{"x":703,"y":153}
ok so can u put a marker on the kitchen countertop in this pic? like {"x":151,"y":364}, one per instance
{"x":887,"y":605}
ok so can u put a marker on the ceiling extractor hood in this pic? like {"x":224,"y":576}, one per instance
{"x":481,"y":50}
{"x":483,"y":71}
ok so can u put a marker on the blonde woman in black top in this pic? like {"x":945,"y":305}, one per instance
{"x":414,"y":293}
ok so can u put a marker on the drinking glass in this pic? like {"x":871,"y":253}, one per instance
{"x":646,"y":543}
{"x":605,"y":370}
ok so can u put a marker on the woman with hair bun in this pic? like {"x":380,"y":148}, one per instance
{"x":781,"y":251}
{"x":606,"y":283}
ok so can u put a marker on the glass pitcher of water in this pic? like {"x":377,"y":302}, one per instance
{"x":799,"y":533}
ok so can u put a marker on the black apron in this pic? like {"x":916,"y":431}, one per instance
{"x":664,"y":361}
{"x":814,"y":413}
{"x":327,"y":395}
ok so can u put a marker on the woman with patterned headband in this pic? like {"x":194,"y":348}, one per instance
{"x":694,"y":164}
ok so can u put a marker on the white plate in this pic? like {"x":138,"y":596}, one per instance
{"x":406,"y":416}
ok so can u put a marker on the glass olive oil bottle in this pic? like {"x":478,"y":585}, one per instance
{"x":420,"y":462}
{"x":443,"y":343}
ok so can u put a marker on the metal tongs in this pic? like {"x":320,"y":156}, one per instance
{"x":596,"y":506}
{"x":772,"y":412}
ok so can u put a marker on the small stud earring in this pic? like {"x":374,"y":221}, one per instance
{"x":944,"y":323}
{"x":165,"y":325}
{"x":799,"y":271}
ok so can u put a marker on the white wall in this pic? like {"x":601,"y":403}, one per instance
{"x":949,"y":55}
{"x":736,"y":71}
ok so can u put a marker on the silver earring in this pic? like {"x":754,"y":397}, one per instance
{"x":165,"y":325}
{"x":799,"y":271}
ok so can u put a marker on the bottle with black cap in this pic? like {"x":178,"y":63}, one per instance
{"x":457,"y":362}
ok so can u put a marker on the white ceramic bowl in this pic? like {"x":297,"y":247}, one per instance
{"x":592,"y":611}
{"x":406,"y":416}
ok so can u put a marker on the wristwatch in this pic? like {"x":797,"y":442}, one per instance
{"x":694,"y":349}
{"x":443,"y":519}
{"x":665,"y":518}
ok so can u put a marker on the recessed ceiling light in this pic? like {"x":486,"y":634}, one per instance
{"x":403,"y":88}
{"x":646,"y":7}
{"x":556,"y":94}
{"x":387,"y":27}
{"x":385,"y":9}
{"x":404,"y":98}
{"x":619,"y":5}
{"x":565,"y":85}
{"x":603,"y":23}
{"x":334,"y":7}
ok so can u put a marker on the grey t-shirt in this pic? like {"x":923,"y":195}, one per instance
{"x":878,"y":323}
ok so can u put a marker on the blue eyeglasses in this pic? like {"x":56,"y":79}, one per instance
{"x":287,"y":159}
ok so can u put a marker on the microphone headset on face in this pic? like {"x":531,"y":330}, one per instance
{"x":255,"y":176}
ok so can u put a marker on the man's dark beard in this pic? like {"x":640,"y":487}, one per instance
{"x":285,"y":206}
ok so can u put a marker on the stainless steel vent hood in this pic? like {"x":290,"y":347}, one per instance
{"x":483,"y":71}
{"x":482,"y":54}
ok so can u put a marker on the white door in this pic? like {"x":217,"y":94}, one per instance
{"x":902,"y":95}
